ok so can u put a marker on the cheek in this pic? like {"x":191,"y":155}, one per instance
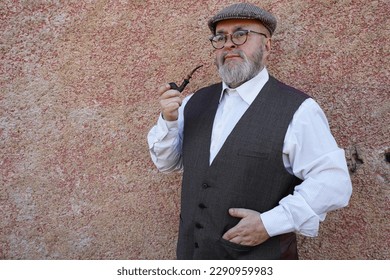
{"x":218,"y":57}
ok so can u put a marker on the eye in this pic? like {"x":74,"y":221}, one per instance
{"x":240,"y":34}
{"x":219,"y":38}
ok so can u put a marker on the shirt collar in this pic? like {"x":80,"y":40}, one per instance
{"x":249,"y":90}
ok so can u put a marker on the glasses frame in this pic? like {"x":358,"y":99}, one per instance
{"x":225,"y":36}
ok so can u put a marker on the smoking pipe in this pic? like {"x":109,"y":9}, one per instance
{"x":185,"y":81}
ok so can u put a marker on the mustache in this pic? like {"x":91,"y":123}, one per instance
{"x":234,"y":52}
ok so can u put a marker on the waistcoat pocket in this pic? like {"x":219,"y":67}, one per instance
{"x":253,"y":153}
{"x":234,"y":251}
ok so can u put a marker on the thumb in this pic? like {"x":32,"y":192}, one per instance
{"x":238,"y":212}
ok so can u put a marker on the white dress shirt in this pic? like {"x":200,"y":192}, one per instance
{"x":309,"y":152}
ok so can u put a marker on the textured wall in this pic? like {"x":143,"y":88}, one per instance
{"x":78,"y":96}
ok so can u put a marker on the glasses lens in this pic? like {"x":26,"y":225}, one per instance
{"x":239,"y":37}
{"x":218,"y":41}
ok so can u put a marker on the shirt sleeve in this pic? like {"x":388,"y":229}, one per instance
{"x":311,"y":153}
{"x":165,"y":142}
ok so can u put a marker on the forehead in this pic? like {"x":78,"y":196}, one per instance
{"x":231,"y":25}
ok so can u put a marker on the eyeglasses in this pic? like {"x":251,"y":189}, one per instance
{"x":238,"y":38}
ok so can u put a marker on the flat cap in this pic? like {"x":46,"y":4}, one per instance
{"x":244,"y":11}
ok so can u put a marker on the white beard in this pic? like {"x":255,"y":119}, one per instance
{"x":235,"y":74}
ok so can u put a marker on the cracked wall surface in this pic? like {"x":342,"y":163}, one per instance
{"x":78,"y":96}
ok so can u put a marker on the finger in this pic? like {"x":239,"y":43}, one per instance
{"x":163,"y":88}
{"x":235,"y":231}
{"x":232,"y":233}
{"x":170,"y":93}
{"x":165,"y":102}
{"x":237,"y":240}
{"x":239,"y":212}
{"x":170,"y":111}
{"x":171,"y":107}
{"x":227,"y":235}
{"x":169,"y":97}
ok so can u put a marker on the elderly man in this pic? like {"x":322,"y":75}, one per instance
{"x":259,"y":161}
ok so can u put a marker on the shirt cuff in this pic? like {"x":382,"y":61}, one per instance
{"x":276,"y":221}
{"x":167,"y":124}
{"x":163,"y":127}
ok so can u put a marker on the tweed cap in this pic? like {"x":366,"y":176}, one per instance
{"x":244,"y":11}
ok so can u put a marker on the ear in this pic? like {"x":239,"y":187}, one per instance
{"x":268,"y":45}
{"x":266,"y":49}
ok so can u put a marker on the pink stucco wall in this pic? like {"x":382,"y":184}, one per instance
{"x":78,"y":95}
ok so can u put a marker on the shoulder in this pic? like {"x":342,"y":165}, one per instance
{"x":202,"y":100}
{"x":214,"y":88}
{"x":310,"y":114}
{"x":205,"y":94}
{"x":286,"y":89}
{"x":311,"y":107}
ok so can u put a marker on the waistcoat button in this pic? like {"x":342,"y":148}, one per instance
{"x":202,"y":206}
{"x":205,"y":186}
{"x":197,"y":225}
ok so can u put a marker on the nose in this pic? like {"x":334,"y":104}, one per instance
{"x":229,"y":42}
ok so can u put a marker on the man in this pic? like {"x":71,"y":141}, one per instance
{"x":259,"y":162}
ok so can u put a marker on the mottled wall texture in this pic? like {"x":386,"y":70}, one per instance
{"x":78,"y":84}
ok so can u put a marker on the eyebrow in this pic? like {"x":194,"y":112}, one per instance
{"x":240,"y":27}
